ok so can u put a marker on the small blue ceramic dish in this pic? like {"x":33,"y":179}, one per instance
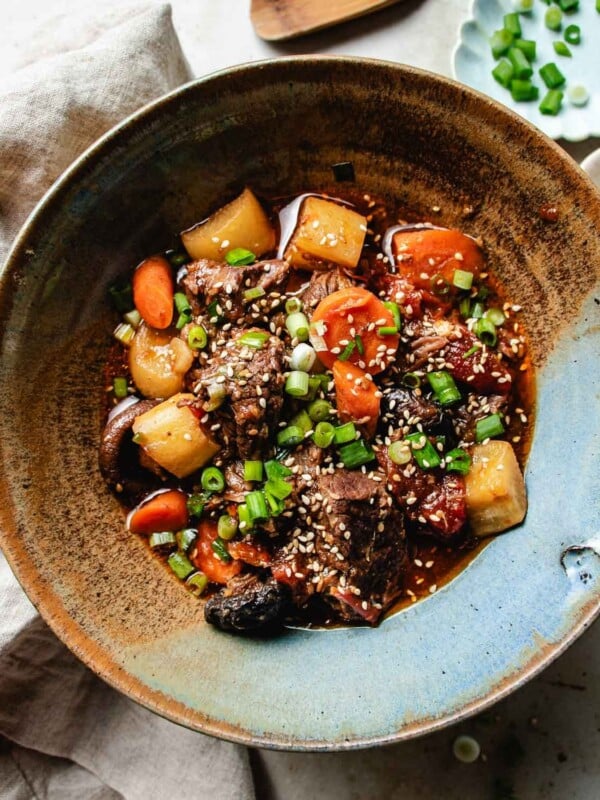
{"x":279,"y":126}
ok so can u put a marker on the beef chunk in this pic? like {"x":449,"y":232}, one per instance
{"x":348,"y":548}
{"x":323,"y":284}
{"x":474,"y":408}
{"x":207,"y":281}
{"x":401,"y":407}
{"x":248,"y":604}
{"x":253,"y":383}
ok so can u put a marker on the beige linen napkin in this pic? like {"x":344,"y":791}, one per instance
{"x":66,"y":733}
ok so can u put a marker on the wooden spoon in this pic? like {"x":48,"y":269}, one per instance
{"x":275,"y":20}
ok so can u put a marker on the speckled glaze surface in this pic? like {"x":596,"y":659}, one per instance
{"x":278,"y":126}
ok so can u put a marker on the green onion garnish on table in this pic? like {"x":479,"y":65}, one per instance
{"x":552,"y":76}
{"x":523,"y":90}
{"x":503,"y":72}
{"x":572,"y":34}
{"x":528,"y":47}
{"x":561,"y":49}
{"x":553,"y":18}
{"x":551,"y":102}
{"x":500,"y":41}
{"x":521,"y":66}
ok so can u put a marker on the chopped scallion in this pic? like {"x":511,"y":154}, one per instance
{"x":319,"y":410}
{"x":293,"y":305}
{"x":522,"y":67}
{"x":573,"y":34}
{"x":578,"y":95}
{"x":569,"y":5}
{"x":196,"y":503}
{"x":512,"y":23}
{"x":254,"y":293}
{"x":212,"y":479}
{"x":275,"y":469}
{"x":303,"y":421}
{"x":465,"y":307}
{"x":185,"y":310}
{"x":359,"y":344}
{"x":462,"y":279}
{"x":180,"y":564}
{"x":303,"y":357}
{"x":444,"y":387}
{"x":552,"y":76}
{"x":197,"y":338}
{"x":500,"y":41}
{"x":523,"y":90}
{"x":495,"y":316}
{"x":423,"y":451}
{"x":278,"y":488}
{"x":552,"y":102}
{"x":458,"y":460}
{"x":240,"y":257}
{"x":488,"y":427}
{"x":528,"y":47}
{"x":411,"y":380}
{"x":504,"y":72}
{"x":344,"y":433}
{"x":553,"y":18}
{"x":245,"y":523}
{"x":347,"y":351}
{"x":356,"y":454}
{"x":254,"y":339}
{"x":290,"y":436}
{"x":323,"y":434}
{"x":561,"y":49}
{"x":485,"y":330}
{"x":124,"y":333}
{"x":253,"y":470}
{"x":164,"y":541}
{"x":257,"y":506}
{"x":227,"y":527}
{"x":439,"y":285}
{"x":197,"y":583}
{"x":296,"y":383}
{"x":472,"y":350}
{"x":387,"y":330}
{"x":394,"y":309}
{"x":186,"y":538}
{"x":120,"y":387}
{"x":297,"y":326}
{"x":523,"y":6}
{"x":477,"y":311}
{"x":133,"y":317}
{"x":400,"y":452}
{"x":219,"y":548}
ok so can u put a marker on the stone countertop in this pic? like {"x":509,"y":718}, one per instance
{"x":542,"y":743}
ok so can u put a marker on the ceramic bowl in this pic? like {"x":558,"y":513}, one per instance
{"x":279,"y":126}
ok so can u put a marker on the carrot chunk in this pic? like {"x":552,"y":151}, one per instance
{"x":166,"y":511}
{"x":153,"y":290}
{"x":357,"y":397}
{"x":351,"y":320}
{"x":429,"y":257}
{"x":204,"y":558}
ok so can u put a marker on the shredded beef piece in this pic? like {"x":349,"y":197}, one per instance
{"x":402,"y":407}
{"x":207,"y":281}
{"x":253,"y":382}
{"x":323,"y":284}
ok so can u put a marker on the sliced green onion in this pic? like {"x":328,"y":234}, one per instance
{"x":496,"y":316}
{"x":216,"y":395}
{"x":297,"y":326}
{"x":500,"y":41}
{"x":578,"y":95}
{"x":482,"y":292}
{"x":276,"y":506}
{"x":411,"y":380}
{"x":561,"y":49}
{"x":552,"y":76}
{"x":319,"y":410}
{"x":197,"y":338}
{"x":257,"y":506}
{"x":240,"y":257}
{"x":387,"y":330}
{"x":185,"y":310}
{"x":477,"y":311}
{"x":485,"y":330}
{"x":296,"y":383}
{"x":293,"y":305}
{"x":254,"y":339}
{"x":314,"y":384}
{"x":458,"y":460}
{"x":162,"y":541}
{"x":467,"y":750}
{"x":512,"y":23}
{"x":246,"y":525}
{"x":197,"y":583}
{"x":568,"y":5}
{"x":472,"y":350}
{"x":356,"y":454}
{"x":553,"y":18}
{"x":394,"y":309}
{"x":278,"y":488}
{"x":528,"y":47}
{"x":504,"y":72}
{"x":195,"y":504}
{"x":212,"y":479}
{"x":180,"y":564}
{"x":227,"y":527}
{"x":488,"y":427}
{"x":347,"y":351}
{"x":444,"y":387}
{"x":186,"y":538}
{"x":275,"y":469}
{"x":124,"y":333}
{"x":323,"y":434}
{"x":121,"y":294}
{"x":254,"y":293}
{"x":523,"y":90}
{"x":303,"y":421}
{"x":253,"y":470}
{"x":465,"y":308}
{"x":439,"y":285}
{"x":120,"y":387}
{"x":303,"y":357}
{"x":462,"y":279}
{"x":522,"y":67}
{"x":359,"y":344}
{"x":423,"y":451}
{"x":133,"y":317}
{"x":552,"y":102}
{"x":290,"y":436}
{"x":523,"y":6}
{"x":344,"y":433}
{"x":400,"y":452}
{"x":219,"y":548}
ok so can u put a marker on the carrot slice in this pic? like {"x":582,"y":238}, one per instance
{"x":254,"y":554}
{"x":153,"y":289}
{"x":203,"y":556}
{"x":357,"y":397}
{"x":429,"y":257}
{"x":352,"y":318}
{"x":166,"y":511}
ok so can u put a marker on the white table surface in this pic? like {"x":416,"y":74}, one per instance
{"x":542,"y":742}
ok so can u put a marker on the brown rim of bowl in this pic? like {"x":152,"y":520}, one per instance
{"x":85,"y":648}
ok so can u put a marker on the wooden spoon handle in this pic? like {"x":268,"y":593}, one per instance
{"x":275,"y":20}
